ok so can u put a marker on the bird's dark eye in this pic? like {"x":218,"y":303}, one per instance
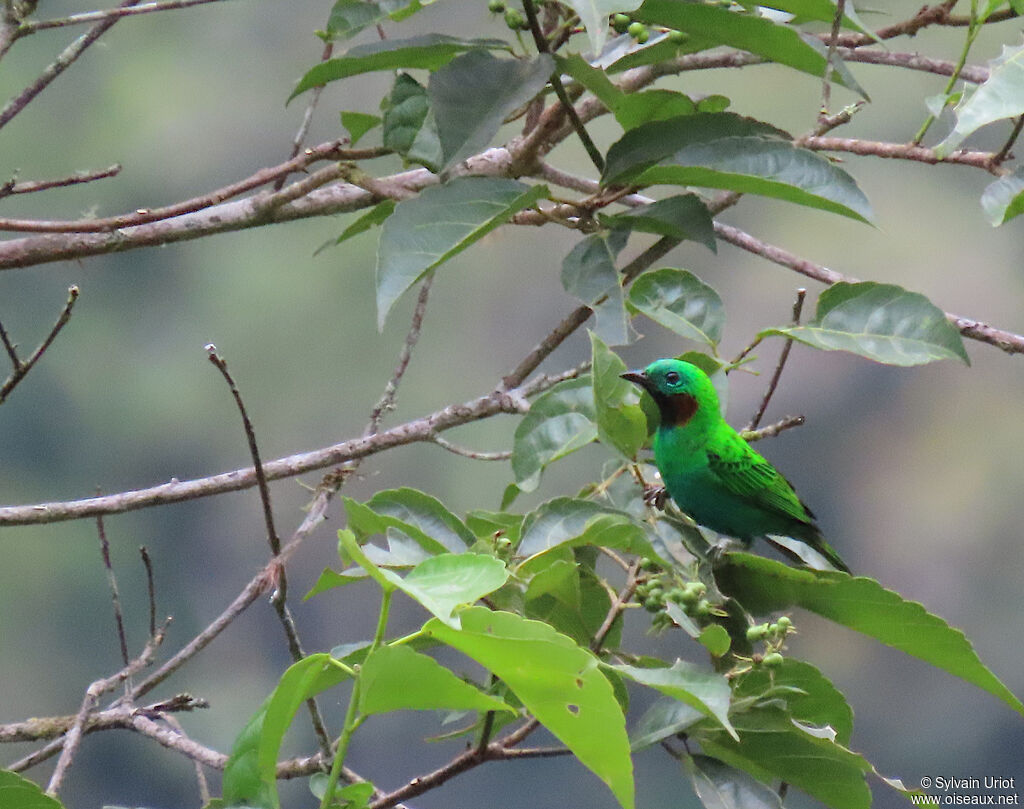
{"x":672,"y":377}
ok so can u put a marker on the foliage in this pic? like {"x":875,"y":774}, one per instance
{"x":536,"y":598}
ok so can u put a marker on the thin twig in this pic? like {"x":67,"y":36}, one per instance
{"x":22,"y":367}
{"x":63,"y":61}
{"x":147,"y":563}
{"x":773,"y":430}
{"x":114,"y":594}
{"x":476,"y":455}
{"x":826,"y":81}
{"x":1004,"y":152}
{"x":12,"y":187}
{"x":787,"y":346}
{"x":307,"y":117}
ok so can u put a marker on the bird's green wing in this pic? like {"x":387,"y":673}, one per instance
{"x":744,"y":472}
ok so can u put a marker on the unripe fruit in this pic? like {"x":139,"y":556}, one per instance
{"x":620,"y":22}
{"x":678,"y":37}
{"x":784,"y":622}
{"x":496,"y":6}
{"x":757,"y":632}
{"x":636,"y":28}
{"x":772,"y":660}
{"x":704,"y":608}
{"x":514,"y":20}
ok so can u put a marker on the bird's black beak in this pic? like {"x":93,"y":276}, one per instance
{"x":637,"y":378}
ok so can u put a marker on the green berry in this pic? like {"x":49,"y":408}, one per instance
{"x":677,"y":595}
{"x":773,"y":629}
{"x":678,"y":37}
{"x":634,"y":29}
{"x":704,"y":608}
{"x":757,"y":632}
{"x":514,"y":20}
{"x":620,"y":22}
{"x":784,"y":622}
{"x":496,"y":6}
{"x":772,"y":660}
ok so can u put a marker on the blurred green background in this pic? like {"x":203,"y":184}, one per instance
{"x":915,"y":474}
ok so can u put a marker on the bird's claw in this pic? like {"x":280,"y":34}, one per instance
{"x":655,"y":496}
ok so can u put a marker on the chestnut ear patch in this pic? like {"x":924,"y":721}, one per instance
{"x":680,"y":408}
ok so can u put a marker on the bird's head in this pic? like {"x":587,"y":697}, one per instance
{"x":679,"y":388}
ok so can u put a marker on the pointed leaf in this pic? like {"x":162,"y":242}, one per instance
{"x":1004,"y":199}
{"x":764,"y":585}
{"x":409,"y":129}
{"x":558,"y":521}
{"x":377,"y":215}
{"x":682,"y":217}
{"x":882,"y":322}
{"x":652,"y":105}
{"x":747,"y":32}
{"x":820,"y":10}
{"x":366,"y":522}
{"x":1001,"y":96}
{"x":349,"y":17}
{"x":681,"y":302}
{"x":557,"y":681}
{"x":429,"y":229}
{"x":427,"y":513}
{"x":771,"y":747}
{"x":589,"y":274}
{"x":429,"y":52}
{"x":394,"y":678}
{"x":720,"y":786}
{"x":755,"y":164}
{"x":20,"y":793}
{"x":473,"y":94}
{"x":621,"y":423}
{"x":358,"y":124}
{"x":560,"y":421}
{"x":330,"y":579}
{"x":706,"y":691}
{"x":594,"y":79}
{"x":665,"y":718}
{"x":443,"y":583}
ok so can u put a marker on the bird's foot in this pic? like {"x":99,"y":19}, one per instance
{"x":655,"y":496}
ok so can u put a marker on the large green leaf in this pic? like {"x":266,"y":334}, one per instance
{"x":707,"y":691}
{"x":720,"y":786}
{"x":680,"y":301}
{"x":429,"y":52}
{"x":621,"y":423}
{"x":593,"y":78}
{"x":557,"y":681}
{"x":882,"y":322}
{"x":365,"y":522}
{"x":1004,"y":199}
{"x":764,"y":585}
{"x":17,"y":792}
{"x":473,"y":94}
{"x":427,"y":513}
{"x":728,"y":151}
{"x":565,"y":520}
{"x":747,"y":32}
{"x":250,"y":777}
{"x":652,"y":105}
{"x":684,"y":216}
{"x":560,"y":421}
{"x":771,"y":746}
{"x":427,"y":230}
{"x":665,"y":718}
{"x":1000,"y":97}
{"x":589,"y":273}
{"x":443,"y":583}
{"x":409,"y":127}
{"x":349,"y":17}
{"x":820,"y":10}
{"x":394,"y":678}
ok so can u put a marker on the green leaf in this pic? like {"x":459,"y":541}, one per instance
{"x":820,"y":10}
{"x":349,"y":17}
{"x":329,"y":579}
{"x":426,"y":513}
{"x":487,"y":523}
{"x":1001,"y":96}
{"x":747,"y":32}
{"x":442,"y":221}
{"x":366,"y":522}
{"x":681,"y":302}
{"x":358,"y":124}
{"x":594,"y":16}
{"x":706,"y":691}
{"x":764,"y":585}
{"x":621,"y":423}
{"x":652,"y":105}
{"x":720,"y":786}
{"x":373,"y":217}
{"x":1004,"y":199}
{"x":250,"y":777}
{"x":809,"y":696}
{"x":771,"y":746}
{"x":394,"y":678}
{"x":625,"y":52}
{"x":589,"y":274}
{"x":409,"y":128}
{"x":20,"y":793}
{"x":473,"y":94}
{"x":557,"y":681}
{"x":728,"y":151}
{"x":665,"y":718}
{"x":348,"y":543}
{"x":882,"y":322}
{"x":565,"y":520}
{"x":593,"y":79}
{"x":430,"y":52}
{"x":684,"y":216}
{"x":560,"y":421}
{"x":443,"y":583}
{"x":715,"y":638}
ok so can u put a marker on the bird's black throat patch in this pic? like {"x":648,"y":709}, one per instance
{"x":677,"y":409}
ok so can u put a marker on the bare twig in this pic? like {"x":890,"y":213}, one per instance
{"x":476,"y":455}
{"x":114,"y":594}
{"x":826,"y":82}
{"x":63,"y":61}
{"x":1000,"y":157}
{"x":31,"y":26}
{"x":773,"y":430}
{"x":22,"y":367}
{"x":12,"y":187}
{"x":307,"y":117}
{"x":150,"y":588}
{"x":787,"y":346}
